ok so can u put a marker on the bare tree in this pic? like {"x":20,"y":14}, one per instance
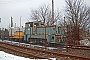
{"x":43,"y":13}
{"x":78,"y":13}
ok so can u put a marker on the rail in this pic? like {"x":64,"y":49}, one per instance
{"x":42,"y":51}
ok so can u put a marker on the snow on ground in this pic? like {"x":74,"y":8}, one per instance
{"x":6,"y":56}
{"x":85,"y":42}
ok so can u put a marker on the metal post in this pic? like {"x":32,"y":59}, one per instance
{"x":64,"y":29}
{"x":30,"y":34}
{"x":45,"y":32}
{"x":67,"y":39}
{"x":64,"y":22}
{"x":53,"y":11}
{"x":25,"y":35}
{"x":10,"y":34}
{"x":19,"y":35}
{"x":45,"y":38}
{"x":2,"y":34}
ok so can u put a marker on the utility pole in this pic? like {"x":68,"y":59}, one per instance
{"x":11,"y":26}
{"x":53,"y":11}
{"x":19,"y":29}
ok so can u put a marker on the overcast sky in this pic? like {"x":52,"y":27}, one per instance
{"x":17,"y":8}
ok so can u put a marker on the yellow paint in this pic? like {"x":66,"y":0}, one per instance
{"x":18,"y":34}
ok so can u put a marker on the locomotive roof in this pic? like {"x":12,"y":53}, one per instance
{"x":32,"y":22}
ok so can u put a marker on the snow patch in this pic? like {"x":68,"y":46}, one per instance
{"x":85,"y":42}
{"x":6,"y":56}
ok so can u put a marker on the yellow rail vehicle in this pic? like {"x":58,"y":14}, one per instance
{"x":17,"y":36}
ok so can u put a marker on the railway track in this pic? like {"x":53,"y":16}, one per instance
{"x":26,"y":51}
{"x":79,"y":50}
